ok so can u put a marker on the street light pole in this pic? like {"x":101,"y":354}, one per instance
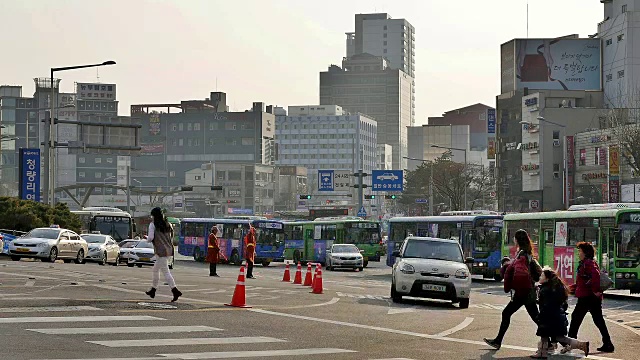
{"x":465,"y":166}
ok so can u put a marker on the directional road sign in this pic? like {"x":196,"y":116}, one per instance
{"x":422,"y":201}
{"x":387,"y":180}
{"x":362,"y":212}
{"x":341,"y":180}
{"x":325,"y":180}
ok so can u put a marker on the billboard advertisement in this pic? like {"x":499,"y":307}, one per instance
{"x":152,"y":149}
{"x":614,"y":174}
{"x":95,"y":91}
{"x":556,"y":64}
{"x":491,"y":148}
{"x":30,"y":174}
{"x":491,"y":121}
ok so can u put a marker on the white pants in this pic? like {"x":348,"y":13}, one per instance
{"x":162,"y":265}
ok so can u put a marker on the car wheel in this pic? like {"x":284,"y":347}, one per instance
{"x":130,"y":265}
{"x":497,"y":277}
{"x":265,"y":263}
{"x":103,"y":260}
{"x":361,"y":269}
{"x":53,"y":255}
{"x":395,"y":297}
{"x":235,"y":258}
{"x":117,"y":262}
{"x":196,"y":254}
{"x":80,"y":257}
{"x":464,"y":303}
{"x":15,"y":258}
{"x":139,"y":265}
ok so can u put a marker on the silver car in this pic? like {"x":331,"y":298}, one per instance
{"x":344,"y":256}
{"x":141,"y":253}
{"x":49,"y":244}
{"x":103,"y":249}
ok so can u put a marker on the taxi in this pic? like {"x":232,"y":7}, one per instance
{"x":49,"y":244}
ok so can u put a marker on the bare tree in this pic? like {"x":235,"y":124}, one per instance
{"x":623,"y":122}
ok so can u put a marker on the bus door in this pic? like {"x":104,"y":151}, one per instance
{"x":547,"y":251}
{"x":607,"y":242}
{"x":309,"y":239}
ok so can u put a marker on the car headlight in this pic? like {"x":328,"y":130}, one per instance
{"x":462,"y":274}
{"x":407,"y":269}
{"x":43,"y":244}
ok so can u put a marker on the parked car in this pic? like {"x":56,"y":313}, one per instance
{"x":125,"y":246}
{"x":103,"y":249}
{"x":49,"y":244}
{"x":141,"y":253}
{"x":344,"y":256}
{"x":431,"y":268}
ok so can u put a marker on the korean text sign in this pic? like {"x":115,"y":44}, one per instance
{"x":30,"y":174}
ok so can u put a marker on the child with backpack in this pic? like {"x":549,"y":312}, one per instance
{"x":520,"y":277}
{"x":552,"y":320}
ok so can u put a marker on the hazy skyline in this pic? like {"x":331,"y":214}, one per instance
{"x":269,"y":51}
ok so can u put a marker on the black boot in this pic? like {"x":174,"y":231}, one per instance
{"x":607,"y":347}
{"x":176,"y":294}
{"x":151,"y":293}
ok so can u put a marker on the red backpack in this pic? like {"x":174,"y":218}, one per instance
{"x":521,"y":280}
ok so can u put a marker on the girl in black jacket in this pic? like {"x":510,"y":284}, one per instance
{"x":552,"y":321}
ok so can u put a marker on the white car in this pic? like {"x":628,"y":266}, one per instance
{"x":431,"y":268}
{"x":388,"y":176}
{"x":344,"y":256}
{"x":141,"y":253}
{"x":49,"y":244}
{"x":103,"y":249}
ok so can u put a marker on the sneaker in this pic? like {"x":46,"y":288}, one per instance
{"x":565,"y":349}
{"x":607,"y":348}
{"x":493,"y":343}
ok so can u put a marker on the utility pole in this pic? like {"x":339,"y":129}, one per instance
{"x":360,"y":186}
{"x":431,"y":189}
{"x":47,"y":156}
{"x":129,"y":187}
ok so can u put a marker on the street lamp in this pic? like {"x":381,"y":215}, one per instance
{"x":430,"y":182}
{"x":49,"y":143}
{"x":465,"y":166}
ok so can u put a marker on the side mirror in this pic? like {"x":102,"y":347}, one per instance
{"x":396,"y":253}
{"x":361,"y":251}
{"x":469,"y":260}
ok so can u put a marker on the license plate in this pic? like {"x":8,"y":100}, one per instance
{"x":430,"y":287}
{"x":22,"y":249}
{"x":145,"y":259}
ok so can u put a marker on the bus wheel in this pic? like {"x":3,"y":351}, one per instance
{"x":296,"y":257}
{"x":235,"y":258}
{"x":497,"y":277}
{"x":196,"y":254}
{"x":266,"y":263}
{"x":365,"y":263}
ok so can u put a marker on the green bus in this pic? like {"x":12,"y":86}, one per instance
{"x":613,"y":229}
{"x":308,"y":241}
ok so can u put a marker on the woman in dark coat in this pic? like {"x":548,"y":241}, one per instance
{"x":552,"y":320}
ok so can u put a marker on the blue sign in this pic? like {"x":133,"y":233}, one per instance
{"x":491,"y":121}
{"x":240,"y":211}
{"x":362,"y":212}
{"x":422,"y":201}
{"x":387,"y":180}
{"x":30,"y":174}
{"x":325,"y":180}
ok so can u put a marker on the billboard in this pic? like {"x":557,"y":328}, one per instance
{"x":614,"y":174}
{"x":95,"y":91}
{"x":553,"y":64}
{"x":491,"y":148}
{"x":491,"y":121}
{"x":30,"y":174}
{"x":152,"y":149}
{"x":570,"y":153}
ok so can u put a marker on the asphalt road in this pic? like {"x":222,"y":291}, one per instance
{"x":69,"y":311}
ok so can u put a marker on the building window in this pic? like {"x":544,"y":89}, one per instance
{"x":98,"y":160}
{"x":384,"y":43}
{"x":608,"y":42}
{"x":108,"y":175}
{"x":181,"y":126}
{"x":196,"y":127}
{"x":583,"y":156}
{"x":109,"y":160}
{"x":189,"y":127}
{"x":213,"y":126}
{"x":197,"y":177}
{"x":620,"y":74}
{"x":174,"y":142}
{"x":385,"y":51}
{"x":385,"y":27}
{"x":180,"y":142}
{"x":211,"y":142}
{"x":196,"y":142}
{"x":620,"y":37}
{"x":189,"y":142}
{"x":609,"y":77}
{"x":174,"y":127}
{"x":384,"y":35}
{"x":556,"y":135}
{"x":624,"y":8}
{"x":81,"y":160}
{"x":98,"y":175}
{"x":81,"y":174}
{"x":172,"y":174}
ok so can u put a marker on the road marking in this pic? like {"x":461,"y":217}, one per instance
{"x":126,"y":330}
{"x":185,"y":299}
{"x":403,"y":332}
{"x":48,"y":309}
{"x":393,"y":310}
{"x":258,"y":354}
{"x":393,"y":359}
{"x":29,"y":276}
{"x":18,"y":320}
{"x":623,"y":314}
{"x":456,"y":328}
{"x":630,"y":322}
{"x":22,"y":297}
{"x":187,"y":341}
{"x":330,"y":302}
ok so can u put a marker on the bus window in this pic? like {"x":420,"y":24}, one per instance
{"x":448,"y":231}
{"x":293,"y":232}
{"x":628,"y":241}
{"x":487,"y":239}
{"x":328,"y":232}
{"x":400,"y":231}
{"x":362,"y":233}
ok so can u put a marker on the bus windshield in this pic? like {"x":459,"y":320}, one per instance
{"x":487,"y":239}
{"x":629,"y":241}
{"x":362,"y":233}
{"x":117,"y":227}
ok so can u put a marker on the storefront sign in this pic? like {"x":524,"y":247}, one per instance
{"x":491,"y":121}
{"x":569,"y":168}
{"x":491,"y":148}
{"x":561,"y":234}
{"x":86,"y":91}
{"x":591,"y":176}
{"x":600,"y":138}
{"x":563,"y":263}
{"x":614,"y":191}
{"x":529,"y":146}
{"x":528,"y":167}
{"x":614,"y":174}
{"x":531,"y":101}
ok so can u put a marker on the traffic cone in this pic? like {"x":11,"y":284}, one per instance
{"x":239,"y":296}
{"x":315,"y":275}
{"x":287,"y":275}
{"x":298,"y":278}
{"x":317,"y":286}
{"x":308,"y":281}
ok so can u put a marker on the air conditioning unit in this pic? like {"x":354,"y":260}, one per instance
{"x":556,"y":142}
{"x":556,"y":175}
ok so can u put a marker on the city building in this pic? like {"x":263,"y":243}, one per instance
{"x":366,"y":84}
{"x":385,"y":157}
{"x":476,"y":116}
{"x":291,"y":182}
{"x":450,"y":136}
{"x":380,"y":35}
{"x":334,"y":141}
{"x":199,"y":132}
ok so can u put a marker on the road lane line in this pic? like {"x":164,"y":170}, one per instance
{"x":456,"y":328}
{"x":29,"y":276}
{"x":18,"y":320}
{"x":48,"y":309}
{"x":623,"y":314}
{"x":115,"y":288}
{"x":187,"y":341}
{"x":403,"y":332}
{"x":254,"y":354}
{"x":126,"y":330}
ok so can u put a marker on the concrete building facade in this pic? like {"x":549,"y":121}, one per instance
{"x":422,"y":137}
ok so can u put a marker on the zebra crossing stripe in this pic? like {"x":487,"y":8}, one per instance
{"x":125,"y":330}
{"x":48,"y":309}
{"x":254,"y":353}
{"x":187,"y":341}
{"x":44,"y":319}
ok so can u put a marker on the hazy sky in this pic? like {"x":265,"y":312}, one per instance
{"x":267,"y":50}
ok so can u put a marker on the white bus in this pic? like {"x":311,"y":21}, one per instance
{"x":108,"y":221}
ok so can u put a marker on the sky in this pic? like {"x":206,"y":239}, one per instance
{"x":267,"y":50}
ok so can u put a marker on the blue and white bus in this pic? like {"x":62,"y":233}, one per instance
{"x":479,"y":234}
{"x":194,"y":235}
{"x":270,"y":241}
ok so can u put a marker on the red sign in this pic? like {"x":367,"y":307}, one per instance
{"x":152,"y":149}
{"x":614,"y":191}
{"x":563,"y":263}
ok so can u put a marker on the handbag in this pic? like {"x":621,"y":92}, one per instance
{"x":605,"y":281}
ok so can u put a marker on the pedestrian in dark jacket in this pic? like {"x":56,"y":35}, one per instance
{"x":518,"y":299}
{"x":213,"y":252}
{"x":587,"y":290}
{"x":552,"y":321}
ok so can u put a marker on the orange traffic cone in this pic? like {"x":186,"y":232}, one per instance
{"x":239,"y":297}
{"x":307,"y":279}
{"x":317,"y":286}
{"x":298,"y":278}
{"x":287,"y":275}
{"x":315,"y":275}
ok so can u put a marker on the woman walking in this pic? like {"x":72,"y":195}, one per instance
{"x":520,"y":277}
{"x":213,"y":251}
{"x":160,"y":235}
{"x":587,"y":290}
{"x":552,"y":321}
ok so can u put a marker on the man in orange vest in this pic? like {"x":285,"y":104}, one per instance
{"x":250,"y":250}
{"x":213,"y":252}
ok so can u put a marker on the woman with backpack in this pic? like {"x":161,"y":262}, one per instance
{"x":160,"y":235}
{"x":552,"y":321}
{"x":589,"y":294}
{"x":520,"y":277}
